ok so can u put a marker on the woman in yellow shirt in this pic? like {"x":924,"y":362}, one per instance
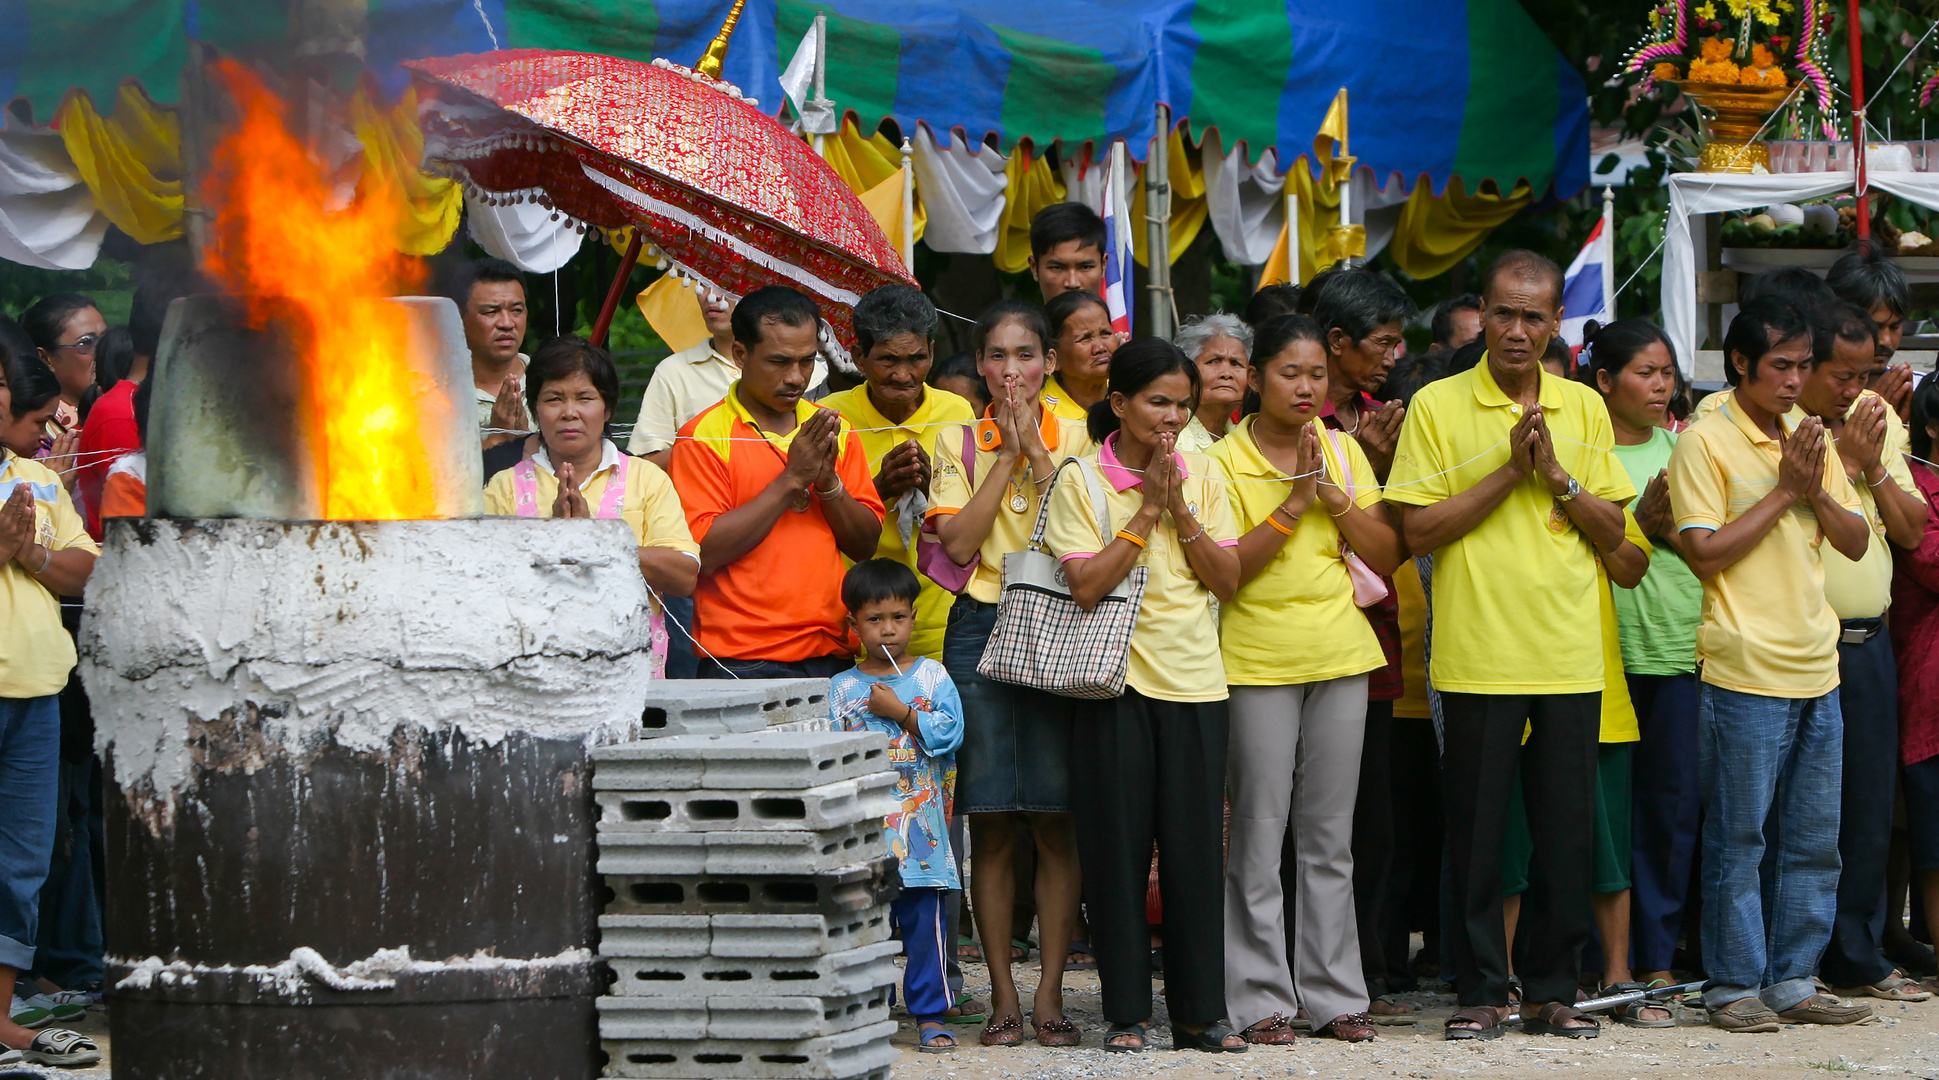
{"x":572,"y":389}
{"x":1155,"y":754}
{"x":1297,"y":652}
{"x":45,"y":554}
{"x":1012,"y":772}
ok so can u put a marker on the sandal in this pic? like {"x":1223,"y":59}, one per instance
{"x":1008,"y":1032}
{"x":1020,"y":949}
{"x":1080,"y":948}
{"x":1274,"y":1030}
{"x":1893,"y":987}
{"x":1210,"y":1038}
{"x":1552,"y":1018}
{"x":1631,"y":1015}
{"x":1119,"y":1031}
{"x":933,"y":1038}
{"x":1058,"y":1032}
{"x":1352,"y":1027}
{"x":967,"y":948}
{"x":967,"y":1010}
{"x":62,"y":1048}
{"x":1387,"y":1009}
{"x":1486,"y":1018}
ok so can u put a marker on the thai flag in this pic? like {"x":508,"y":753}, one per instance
{"x":1117,"y":244}
{"x":1589,"y":288}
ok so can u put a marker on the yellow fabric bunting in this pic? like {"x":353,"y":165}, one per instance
{"x":131,"y":163}
{"x":1435,"y":234}
{"x":673,"y":311}
{"x":431,"y":206}
{"x":1033,"y":184}
{"x":1334,"y":169}
{"x":867,"y":165}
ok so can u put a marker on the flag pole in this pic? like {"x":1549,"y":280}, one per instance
{"x":1609,"y":238}
{"x":1292,"y":225}
{"x":908,"y":206}
{"x":1158,"y":226}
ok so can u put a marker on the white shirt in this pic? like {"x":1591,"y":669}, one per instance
{"x":685,"y":385}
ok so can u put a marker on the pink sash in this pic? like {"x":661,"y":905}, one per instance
{"x":525,"y":500}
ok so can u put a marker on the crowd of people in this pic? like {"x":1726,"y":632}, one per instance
{"x":1512,"y":646}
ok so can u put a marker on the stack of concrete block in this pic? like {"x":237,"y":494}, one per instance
{"x":724,"y":706}
{"x":748,"y":926}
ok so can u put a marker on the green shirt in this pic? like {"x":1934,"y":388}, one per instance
{"x":1657,"y":620}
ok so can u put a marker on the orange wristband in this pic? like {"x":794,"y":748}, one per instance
{"x":1273,"y":520}
{"x":1126,"y":534}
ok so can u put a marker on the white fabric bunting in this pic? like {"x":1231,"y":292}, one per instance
{"x":1246,"y":203}
{"x":523,"y":234}
{"x":963,"y":192}
{"x":47,"y":215}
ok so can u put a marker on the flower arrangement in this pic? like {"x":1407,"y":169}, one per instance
{"x":1744,"y":45}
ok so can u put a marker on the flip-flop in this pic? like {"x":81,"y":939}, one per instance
{"x":967,"y":1010}
{"x":1628,"y":1015}
{"x":1078,"y":948}
{"x":967,"y":948}
{"x":1210,"y":1039}
{"x":927,"y":1032}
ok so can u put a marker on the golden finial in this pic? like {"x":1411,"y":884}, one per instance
{"x":716,"y":55}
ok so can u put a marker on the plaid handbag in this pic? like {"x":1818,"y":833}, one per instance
{"x":1042,"y":639}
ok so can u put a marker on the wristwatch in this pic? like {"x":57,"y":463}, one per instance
{"x":1575,"y":488}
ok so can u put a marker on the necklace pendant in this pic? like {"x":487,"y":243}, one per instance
{"x":1018,"y":504}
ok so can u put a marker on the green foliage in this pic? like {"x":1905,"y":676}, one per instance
{"x":109,"y":281}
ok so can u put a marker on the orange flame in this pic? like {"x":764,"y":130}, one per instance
{"x":275,"y":247}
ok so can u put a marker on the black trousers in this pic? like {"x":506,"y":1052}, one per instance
{"x":1154,"y":771}
{"x":1414,"y":879}
{"x":1558,"y":764}
{"x":1373,"y":845}
{"x":1868,"y":696}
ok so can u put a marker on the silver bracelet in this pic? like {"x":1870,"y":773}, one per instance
{"x":46,"y":561}
{"x":1194,"y":537}
{"x":1882,"y":478}
{"x":825,"y":496}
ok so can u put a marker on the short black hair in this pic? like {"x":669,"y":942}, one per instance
{"x":157,"y":285}
{"x":890,"y":310}
{"x":32,"y":383}
{"x":1273,"y":338}
{"x":1270,"y":302}
{"x":1309,"y":297}
{"x":1866,"y":277}
{"x":1443,"y":323}
{"x":772,"y":303}
{"x":1414,"y":370}
{"x":14,"y":342}
{"x":1925,"y":409}
{"x":874,"y":580}
{"x":1760,"y":326}
{"x":564,"y":357}
{"x":1068,"y":303}
{"x":1845,"y":321}
{"x":114,"y":357}
{"x":1060,"y":223}
{"x":143,"y":394}
{"x":485,"y":271}
{"x":1524,"y":263}
{"x":1022,"y":312}
{"x":47,"y":319}
{"x":1360,"y":302}
{"x":1137,"y":365}
{"x":1801,"y":289}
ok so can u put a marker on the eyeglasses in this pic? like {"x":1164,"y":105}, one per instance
{"x":85,"y":345}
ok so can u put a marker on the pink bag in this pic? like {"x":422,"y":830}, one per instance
{"x":1368,"y":588}
{"x":931,"y":557}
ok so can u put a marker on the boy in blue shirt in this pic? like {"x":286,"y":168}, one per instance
{"x":915,"y":704}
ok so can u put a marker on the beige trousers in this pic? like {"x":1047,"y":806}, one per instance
{"x":1293,"y":763}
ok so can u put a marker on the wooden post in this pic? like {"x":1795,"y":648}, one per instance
{"x":611,"y":306}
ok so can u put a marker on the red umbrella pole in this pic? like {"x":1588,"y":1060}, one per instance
{"x":626,"y":263}
{"x":1854,"y":37}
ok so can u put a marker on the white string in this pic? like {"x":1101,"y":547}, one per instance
{"x":1895,"y":71}
{"x":675,"y":623}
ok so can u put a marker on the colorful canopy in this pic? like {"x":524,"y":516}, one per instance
{"x":1439,"y":88}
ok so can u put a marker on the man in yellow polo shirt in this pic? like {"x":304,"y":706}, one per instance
{"x":1756,"y":495}
{"x":1504,"y":473}
{"x":899,"y":418}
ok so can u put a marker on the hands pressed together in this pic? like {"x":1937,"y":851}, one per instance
{"x":814,"y":452}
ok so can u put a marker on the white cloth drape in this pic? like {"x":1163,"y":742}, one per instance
{"x":47,"y":215}
{"x":1710,"y":193}
{"x":1246,"y":203}
{"x":962,"y":190}
{"x":523,"y":234}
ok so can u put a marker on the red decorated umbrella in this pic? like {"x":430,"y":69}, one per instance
{"x":725,"y":194}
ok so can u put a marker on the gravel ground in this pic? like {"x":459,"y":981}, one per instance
{"x":1902,"y":1041}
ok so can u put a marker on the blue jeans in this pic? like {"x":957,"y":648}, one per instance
{"x":30,"y":745}
{"x":682,"y":661}
{"x":1664,"y":814}
{"x":1770,"y":770}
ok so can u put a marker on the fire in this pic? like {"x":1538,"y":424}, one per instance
{"x":275,"y":247}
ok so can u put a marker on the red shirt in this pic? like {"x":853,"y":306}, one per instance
{"x":109,"y":433}
{"x":1915,"y":630}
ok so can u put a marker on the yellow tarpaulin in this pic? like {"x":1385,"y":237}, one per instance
{"x":131,"y":162}
{"x":431,"y":206}
{"x":1435,"y":234}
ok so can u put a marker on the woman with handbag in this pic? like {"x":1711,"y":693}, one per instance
{"x":1156,"y":752}
{"x":1012,"y":776}
{"x":1315,"y":539}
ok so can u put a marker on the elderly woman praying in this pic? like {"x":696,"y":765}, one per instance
{"x":572,"y":390}
{"x":1221,"y":346}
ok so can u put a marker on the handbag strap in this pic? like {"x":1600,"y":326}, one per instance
{"x":969,"y":455}
{"x":1346,"y":464}
{"x":1098,"y":504}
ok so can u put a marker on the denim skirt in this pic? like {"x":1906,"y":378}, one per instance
{"x":1016,"y":741}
